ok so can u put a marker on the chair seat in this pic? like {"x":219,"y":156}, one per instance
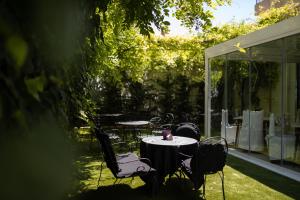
{"x":125,"y":165}
{"x":197,"y":177}
{"x":210,"y":158}
{"x":187,"y":166}
{"x":131,"y":166}
{"x":126,"y":157}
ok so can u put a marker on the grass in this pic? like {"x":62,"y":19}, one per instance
{"x":243,"y":180}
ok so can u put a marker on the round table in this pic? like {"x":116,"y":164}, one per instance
{"x":177,"y":141}
{"x":164,"y":153}
{"x":108,"y":119}
{"x":133,"y":123}
{"x":111,"y":115}
{"x":133,"y":127}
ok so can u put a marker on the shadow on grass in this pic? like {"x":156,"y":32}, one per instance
{"x":88,"y":165}
{"x":118,"y":191}
{"x":173,"y":189}
{"x":275,"y":181}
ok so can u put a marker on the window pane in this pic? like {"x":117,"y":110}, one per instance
{"x":237,"y":96}
{"x":291,"y":88}
{"x":266,"y":96}
{"x":218,"y":65}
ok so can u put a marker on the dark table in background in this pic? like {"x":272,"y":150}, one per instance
{"x":133,"y":127}
{"x":107,"y":120}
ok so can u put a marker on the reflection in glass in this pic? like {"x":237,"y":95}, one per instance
{"x":218,"y":65}
{"x":291,"y":95}
{"x":237,"y":90}
{"x":266,"y":95}
{"x":255,"y":99}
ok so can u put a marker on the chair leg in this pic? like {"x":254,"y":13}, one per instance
{"x":154,"y":185}
{"x":204,"y":186}
{"x":221,"y":174}
{"x":115,"y":181}
{"x":131,"y":180}
{"x":178,"y":176}
{"x":101,"y":167}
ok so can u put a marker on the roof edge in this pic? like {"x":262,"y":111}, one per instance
{"x":279,"y":30}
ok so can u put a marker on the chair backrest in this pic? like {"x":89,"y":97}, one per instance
{"x":255,"y":118}
{"x":187,"y":129}
{"x":155,"y":121}
{"x":211,"y":155}
{"x":271,"y":124}
{"x":109,"y":155}
{"x":246,"y":116}
{"x":224,"y":121}
{"x":168,"y":118}
{"x":256,"y":121}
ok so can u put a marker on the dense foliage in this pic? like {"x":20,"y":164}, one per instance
{"x":164,"y":74}
{"x":60,"y":57}
{"x":53,"y":55}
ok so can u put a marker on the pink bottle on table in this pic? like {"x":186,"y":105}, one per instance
{"x":167,"y":135}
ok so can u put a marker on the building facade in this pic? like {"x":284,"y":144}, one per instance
{"x":252,"y":93}
{"x":263,"y":5}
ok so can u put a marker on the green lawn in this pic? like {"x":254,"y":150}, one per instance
{"x":242,"y":181}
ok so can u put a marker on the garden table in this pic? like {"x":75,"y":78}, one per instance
{"x":133,"y":123}
{"x":164,"y":153}
{"x":111,"y":115}
{"x":134,"y":126}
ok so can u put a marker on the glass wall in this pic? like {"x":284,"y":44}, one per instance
{"x":266,"y":95}
{"x":218,"y":66}
{"x":237,"y":84}
{"x":255,"y":99}
{"x":291,"y":106}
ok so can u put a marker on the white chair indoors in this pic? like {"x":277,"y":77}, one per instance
{"x":227,"y":131}
{"x":254,"y":126}
{"x":273,"y":140}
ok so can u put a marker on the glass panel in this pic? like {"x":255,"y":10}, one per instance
{"x":237,"y":97}
{"x":217,"y":93}
{"x":291,"y":149}
{"x":265,"y":134}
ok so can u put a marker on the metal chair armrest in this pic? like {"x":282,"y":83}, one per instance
{"x":137,"y":169}
{"x":128,"y":161}
{"x":149,"y":163}
{"x":185,"y":155}
{"x":217,"y":137}
{"x":148,"y":160}
{"x":126,"y":144}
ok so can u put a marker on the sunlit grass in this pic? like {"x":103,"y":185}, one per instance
{"x":242,"y":181}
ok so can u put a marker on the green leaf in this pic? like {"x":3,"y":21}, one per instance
{"x":35,"y":85}
{"x":18,"y":50}
{"x":56,"y":80}
{"x":19,"y":116}
{"x":166,"y":23}
{"x":242,"y":50}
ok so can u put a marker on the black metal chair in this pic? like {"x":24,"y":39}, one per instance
{"x":127,"y":164}
{"x":210,"y":158}
{"x":187,"y":129}
{"x":155,"y":123}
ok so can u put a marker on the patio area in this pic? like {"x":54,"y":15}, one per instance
{"x":243,"y":180}
{"x":77,"y":76}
